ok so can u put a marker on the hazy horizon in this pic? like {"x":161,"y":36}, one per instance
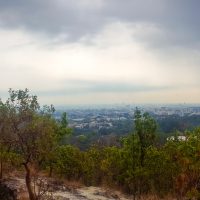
{"x":101,"y":51}
{"x":124,"y":105}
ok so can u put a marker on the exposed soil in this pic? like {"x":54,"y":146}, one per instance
{"x":56,"y":190}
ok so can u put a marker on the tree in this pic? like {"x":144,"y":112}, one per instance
{"x":63,"y":129}
{"x":3,"y":134}
{"x":145,"y":128}
{"x":32,"y":131}
{"x":62,"y":133}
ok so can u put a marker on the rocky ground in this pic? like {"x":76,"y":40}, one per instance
{"x":50,"y":189}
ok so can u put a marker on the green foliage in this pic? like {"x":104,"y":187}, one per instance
{"x":68,"y":162}
{"x":63,"y":129}
{"x":145,"y":129}
{"x":92,"y":172}
{"x":161,"y":169}
{"x":28,"y":131}
{"x":30,"y":136}
{"x":173,"y":168}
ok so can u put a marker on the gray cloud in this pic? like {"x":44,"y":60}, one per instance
{"x":49,"y":17}
{"x":72,"y":20}
{"x":132,"y":50}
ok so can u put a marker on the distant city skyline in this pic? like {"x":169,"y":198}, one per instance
{"x":101,"y":51}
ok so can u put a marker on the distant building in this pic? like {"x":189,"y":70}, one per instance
{"x":179,"y":138}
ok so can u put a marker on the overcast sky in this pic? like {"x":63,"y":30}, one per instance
{"x":101,"y":51}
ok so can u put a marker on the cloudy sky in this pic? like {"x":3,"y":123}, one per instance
{"x":101,"y":51}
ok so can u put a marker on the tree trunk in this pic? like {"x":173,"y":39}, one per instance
{"x":1,"y":163}
{"x":28,"y":182}
{"x":142,"y":154}
{"x":1,"y":168}
{"x":50,"y":170}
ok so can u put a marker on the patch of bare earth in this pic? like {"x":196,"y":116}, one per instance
{"x":52,"y":189}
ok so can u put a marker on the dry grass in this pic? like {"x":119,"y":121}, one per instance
{"x":155,"y":197}
{"x":72,"y":184}
{"x":23,"y":196}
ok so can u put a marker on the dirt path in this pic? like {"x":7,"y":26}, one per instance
{"x":91,"y":193}
{"x":63,"y":192}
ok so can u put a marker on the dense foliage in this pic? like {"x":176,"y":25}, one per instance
{"x":173,"y":168}
{"x":32,"y":139}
